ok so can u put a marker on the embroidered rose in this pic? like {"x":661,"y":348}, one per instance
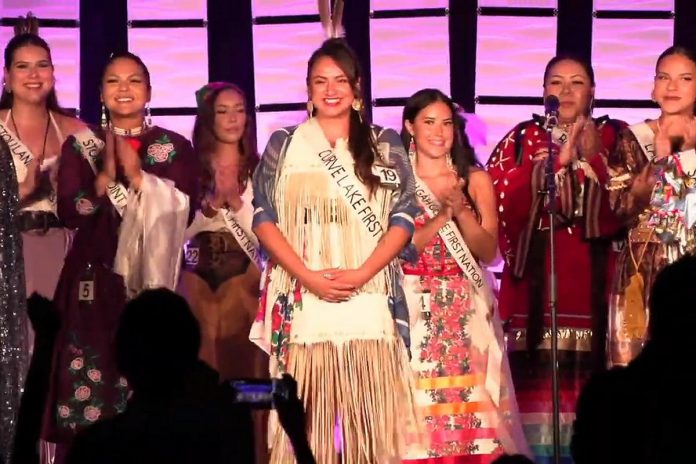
{"x":83,"y":393}
{"x":84,"y":207}
{"x":94,"y":375}
{"x":77,"y":363}
{"x":160,"y":151}
{"x":92,"y":413}
{"x":63,"y":411}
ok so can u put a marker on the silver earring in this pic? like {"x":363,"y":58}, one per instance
{"x":450,"y":165}
{"x":104,"y":122}
{"x":148,"y":116}
{"x":412,"y":148}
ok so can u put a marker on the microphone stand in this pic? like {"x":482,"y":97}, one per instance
{"x":551,"y":208}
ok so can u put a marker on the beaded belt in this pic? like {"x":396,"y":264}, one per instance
{"x":37,"y":220}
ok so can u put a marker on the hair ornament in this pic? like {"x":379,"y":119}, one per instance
{"x":204,"y":92}
{"x":28,"y":24}
{"x":331,"y":15}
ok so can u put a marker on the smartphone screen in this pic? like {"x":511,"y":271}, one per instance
{"x":258,"y":393}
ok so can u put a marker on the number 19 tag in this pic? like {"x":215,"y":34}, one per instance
{"x":86,"y":290}
{"x":388,"y":177}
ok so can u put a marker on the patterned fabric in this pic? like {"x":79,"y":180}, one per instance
{"x":90,"y":314}
{"x":13,"y":330}
{"x":584,"y":260}
{"x":265,"y":182}
{"x":462,"y":421}
{"x":626,"y":338}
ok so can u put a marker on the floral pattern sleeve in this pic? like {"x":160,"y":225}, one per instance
{"x":624,"y":165}
{"x":77,"y":199}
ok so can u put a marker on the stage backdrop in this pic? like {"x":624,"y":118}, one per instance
{"x":412,"y":44}
{"x":409,"y":50}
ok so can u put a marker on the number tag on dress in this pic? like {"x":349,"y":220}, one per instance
{"x":191,"y":256}
{"x":424,"y":303}
{"x":86,"y":291}
{"x":388,"y":177}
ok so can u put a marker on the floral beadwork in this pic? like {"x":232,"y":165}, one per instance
{"x":281,"y":322}
{"x":162,"y":150}
{"x":83,"y":205}
{"x":84,"y":406}
{"x":448,"y":367}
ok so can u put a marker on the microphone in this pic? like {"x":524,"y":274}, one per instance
{"x":551,"y":105}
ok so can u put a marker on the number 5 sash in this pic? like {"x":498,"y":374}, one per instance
{"x":246,"y":239}
{"x":90,"y":146}
{"x":483,"y":333}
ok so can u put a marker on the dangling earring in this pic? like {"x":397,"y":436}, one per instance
{"x":104,"y":122}
{"x":357,"y":104}
{"x":310,"y":108}
{"x":450,"y":165}
{"x":412,"y":148}
{"x":148,"y":116}
{"x":591,"y":106}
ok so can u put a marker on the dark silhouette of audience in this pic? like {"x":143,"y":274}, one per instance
{"x":45,"y":322}
{"x":178,"y":412}
{"x":512,"y":459}
{"x":644,"y":413}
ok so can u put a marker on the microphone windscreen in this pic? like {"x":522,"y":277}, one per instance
{"x":551,"y":104}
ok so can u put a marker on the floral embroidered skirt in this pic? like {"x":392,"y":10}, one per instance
{"x":85,"y":385}
{"x":464,"y":425}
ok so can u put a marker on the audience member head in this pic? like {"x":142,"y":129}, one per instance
{"x":157,"y":340}
{"x":513,"y":459}
{"x":672,"y":315}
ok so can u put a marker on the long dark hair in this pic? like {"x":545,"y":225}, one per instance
{"x":360,"y":138}
{"x":129,"y":56}
{"x":462,"y":154}
{"x":204,"y":138}
{"x":26,"y":34}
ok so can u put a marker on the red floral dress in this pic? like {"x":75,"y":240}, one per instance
{"x":450,"y":372}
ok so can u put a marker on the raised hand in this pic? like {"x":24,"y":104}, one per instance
{"x":454,"y":198}
{"x":643,"y":184}
{"x":589,"y":142}
{"x":663,"y":146}
{"x":568,"y":152}
{"x":129,"y":159}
